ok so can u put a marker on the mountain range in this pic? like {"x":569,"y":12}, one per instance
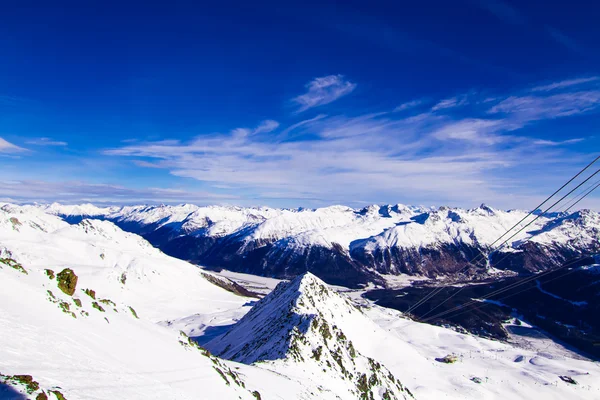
{"x":355,"y":247}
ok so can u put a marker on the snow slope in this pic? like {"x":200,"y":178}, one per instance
{"x":114,"y":263}
{"x":505,"y":371}
{"x":110,"y":346}
{"x":286,"y":329}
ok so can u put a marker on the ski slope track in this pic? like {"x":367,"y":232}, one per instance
{"x":349,"y":247}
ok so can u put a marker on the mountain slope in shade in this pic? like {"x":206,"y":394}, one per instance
{"x":297,"y":325}
{"x":352,"y":247}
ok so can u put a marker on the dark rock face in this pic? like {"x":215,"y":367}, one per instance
{"x":67,"y":281}
{"x":534,"y":257}
{"x":445,"y":259}
{"x":230,"y":286}
{"x":265,"y":258}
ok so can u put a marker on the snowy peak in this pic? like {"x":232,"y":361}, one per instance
{"x":296,"y":325}
{"x":105,"y":230}
{"x":28,"y":219}
{"x":392,"y":225}
{"x":86,"y":209}
{"x":266,"y":332}
{"x":581,"y":227}
{"x":312,"y":295}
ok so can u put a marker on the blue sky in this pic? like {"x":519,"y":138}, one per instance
{"x":297,"y":103}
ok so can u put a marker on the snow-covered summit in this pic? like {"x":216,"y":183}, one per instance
{"x":85,"y":209}
{"x":298,"y":301}
{"x":394,"y":225}
{"x":301,"y":324}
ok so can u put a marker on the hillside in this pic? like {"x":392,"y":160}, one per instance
{"x":79,"y":306}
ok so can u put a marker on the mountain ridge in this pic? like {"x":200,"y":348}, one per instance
{"x":353,"y":247}
{"x":297,"y":323}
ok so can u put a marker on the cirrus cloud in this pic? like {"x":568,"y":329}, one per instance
{"x":44,"y":141}
{"x":323,"y":90}
{"x":69,"y":192}
{"x":382,"y":156}
{"x":8,"y":147}
{"x":444,"y":156}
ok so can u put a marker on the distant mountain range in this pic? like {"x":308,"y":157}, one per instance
{"x":354,"y":247}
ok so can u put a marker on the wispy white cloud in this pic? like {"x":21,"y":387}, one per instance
{"x":543,"y":142}
{"x":44,"y":141}
{"x":76,"y":192}
{"x":408,"y":105}
{"x":337,"y":165}
{"x":473,"y":130}
{"x":7,"y":147}
{"x":447,"y":156}
{"x":531,"y":108}
{"x":323,"y":90}
{"x":265,"y":126}
{"x":147,"y":164}
{"x":297,"y":125}
{"x":385,"y":155}
{"x":565,"y":84}
{"x":451,"y":102}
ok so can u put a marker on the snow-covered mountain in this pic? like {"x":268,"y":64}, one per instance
{"x":85,"y":313}
{"x":302,"y":325}
{"x":352,"y":247}
{"x":307,"y":330}
{"x":79,"y":307}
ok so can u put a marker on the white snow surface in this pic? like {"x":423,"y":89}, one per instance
{"x":113,"y":355}
{"x":506,"y":371}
